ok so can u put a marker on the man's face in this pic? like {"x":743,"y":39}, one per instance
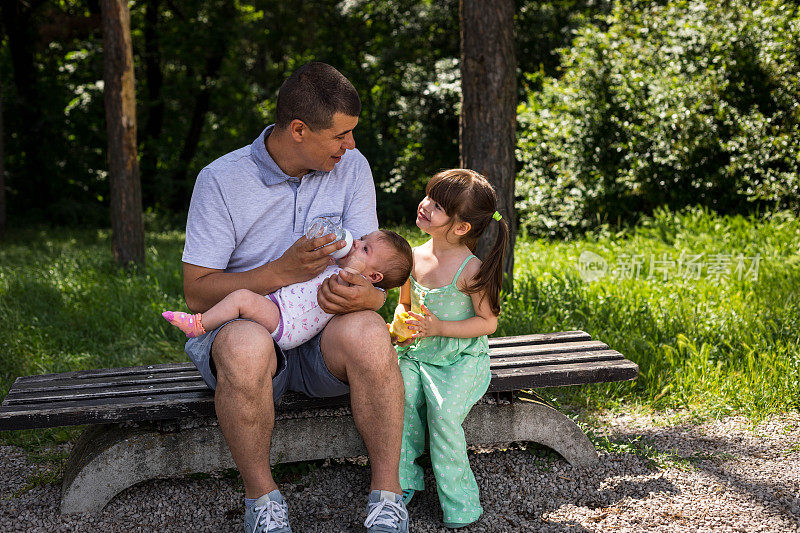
{"x":324,"y":148}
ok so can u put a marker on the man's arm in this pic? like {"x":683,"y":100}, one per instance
{"x":203,"y":287}
{"x":358,"y":294}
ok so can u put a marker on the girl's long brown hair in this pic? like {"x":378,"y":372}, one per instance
{"x":469,"y":197}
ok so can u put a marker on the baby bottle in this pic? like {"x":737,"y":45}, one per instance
{"x":322,"y":226}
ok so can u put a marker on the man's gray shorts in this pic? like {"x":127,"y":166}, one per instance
{"x":300,"y":369}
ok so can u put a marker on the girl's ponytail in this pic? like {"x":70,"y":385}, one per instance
{"x":489,"y":278}
{"x":468,"y":196}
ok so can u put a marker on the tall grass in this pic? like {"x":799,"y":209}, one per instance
{"x":65,"y":305}
{"x":712,"y":347}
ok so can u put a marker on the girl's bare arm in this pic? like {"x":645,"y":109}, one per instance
{"x":404,"y":301}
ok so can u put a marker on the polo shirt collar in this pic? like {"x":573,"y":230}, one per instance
{"x":271,"y":173}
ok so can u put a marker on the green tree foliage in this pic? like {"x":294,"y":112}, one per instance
{"x":670,"y":104}
{"x":52,"y":72}
{"x":404,"y":64}
{"x":207,"y":76}
{"x":542,"y":29}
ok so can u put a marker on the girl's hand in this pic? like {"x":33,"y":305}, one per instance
{"x":397,"y":342}
{"x":405,"y":343}
{"x":425,"y":325}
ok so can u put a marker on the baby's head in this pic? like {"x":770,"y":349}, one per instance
{"x":383,"y":257}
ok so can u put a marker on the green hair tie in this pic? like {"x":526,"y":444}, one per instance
{"x":497,"y":216}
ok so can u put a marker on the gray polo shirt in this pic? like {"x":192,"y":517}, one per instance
{"x":245,"y":211}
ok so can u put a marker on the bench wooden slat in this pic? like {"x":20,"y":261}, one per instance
{"x":534,"y":361}
{"x":563,"y":375}
{"x":125,"y":371}
{"x":190,"y":380}
{"x":534,"y":339}
{"x":201,"y":403}
{"x":494,"y":342}
{"x":188,"y":374}
{"x":134,"y":408}
{"x":149,"y":376}
{"x":545,"y":349}
{"x":175,"y":390}
{"x":540,"y":338}
{"x":156,"y":383}
{"x":140,"y":409}
{"x":26,"y":397}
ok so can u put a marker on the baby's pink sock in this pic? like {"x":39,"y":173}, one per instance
{"x":192,"y":325}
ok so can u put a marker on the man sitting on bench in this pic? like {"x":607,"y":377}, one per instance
{"x":245,"y":231}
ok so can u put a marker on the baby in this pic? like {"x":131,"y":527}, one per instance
{"x":291,"y":314}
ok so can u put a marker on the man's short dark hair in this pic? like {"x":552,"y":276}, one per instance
{"x":397,"y":269}
{"x":313,"y":94}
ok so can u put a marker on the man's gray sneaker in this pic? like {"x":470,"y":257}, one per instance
{"x":269,"y":514}
{"x":386,"y":513}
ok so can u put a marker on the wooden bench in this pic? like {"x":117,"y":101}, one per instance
{"x":158,"y":421}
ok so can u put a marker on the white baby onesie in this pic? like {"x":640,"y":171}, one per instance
{"x":301,"y":315}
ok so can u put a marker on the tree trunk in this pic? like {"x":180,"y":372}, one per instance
{"x":488,"y":122}
{"x":127,"y":227}
{"x":2,"y":170}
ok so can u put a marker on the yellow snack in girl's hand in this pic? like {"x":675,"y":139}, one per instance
{"x":399,"y":329}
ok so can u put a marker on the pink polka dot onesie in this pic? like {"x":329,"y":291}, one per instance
{"x":301,"y":315}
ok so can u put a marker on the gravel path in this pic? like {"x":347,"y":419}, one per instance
{"x":726,"y":475}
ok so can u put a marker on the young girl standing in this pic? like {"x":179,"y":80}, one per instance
{"x":452,"y":299}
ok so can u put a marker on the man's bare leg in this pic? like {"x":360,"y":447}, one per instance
{"x":245,"y":358}
{"x":357,"y":349}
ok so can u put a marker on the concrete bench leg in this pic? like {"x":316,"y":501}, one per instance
{"x":530,"y":421}
{"x":107,"y":459}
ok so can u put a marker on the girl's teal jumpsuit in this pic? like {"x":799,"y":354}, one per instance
{"x":444,"y":377}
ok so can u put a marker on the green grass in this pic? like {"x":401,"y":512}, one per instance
{"x":705,"y":348}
